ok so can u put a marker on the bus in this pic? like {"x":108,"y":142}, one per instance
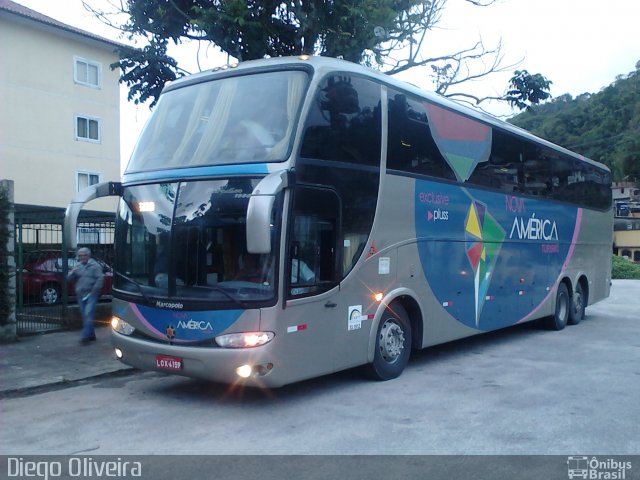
{"x":283,"y":219}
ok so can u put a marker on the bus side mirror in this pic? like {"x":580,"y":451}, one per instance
{"x":85,"y":195}
{"x":260,"y":209}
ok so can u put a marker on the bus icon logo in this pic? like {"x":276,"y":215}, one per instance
{"x":578,"y":467}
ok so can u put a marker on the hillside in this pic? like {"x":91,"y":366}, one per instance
{"x":604,"y":126}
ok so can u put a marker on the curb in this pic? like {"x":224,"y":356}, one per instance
{"x":22,"y":392}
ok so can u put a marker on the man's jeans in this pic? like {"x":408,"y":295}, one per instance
{"x":88,"y":310}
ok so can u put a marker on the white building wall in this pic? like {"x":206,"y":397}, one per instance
{"x":39,"y":101}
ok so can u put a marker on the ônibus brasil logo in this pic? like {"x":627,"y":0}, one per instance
{"x":597,"y":469}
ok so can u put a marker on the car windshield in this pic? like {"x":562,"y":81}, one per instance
{"x":237,"y":119}
{"x":187,"y":241}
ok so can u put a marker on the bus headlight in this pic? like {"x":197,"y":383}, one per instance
{"x":120,"y":326}
{"x":244,"y":371}
{"x":244,"y":340}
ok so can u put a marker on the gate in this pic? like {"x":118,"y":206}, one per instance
{"x":44,"y":300}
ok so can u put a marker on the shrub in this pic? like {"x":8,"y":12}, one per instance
{"x":624,"y":269}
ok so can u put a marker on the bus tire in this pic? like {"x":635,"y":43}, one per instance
{"x":563,"y":305}
{"x":393,"y":344}
{"x":578,"y":305}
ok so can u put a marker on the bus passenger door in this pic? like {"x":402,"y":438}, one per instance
{"x":311,"y":280}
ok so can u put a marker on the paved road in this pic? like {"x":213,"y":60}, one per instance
{"x":518,"y":391}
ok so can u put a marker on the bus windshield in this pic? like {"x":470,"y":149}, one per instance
{"x":236,"y":119}
{"x":187,"y":241}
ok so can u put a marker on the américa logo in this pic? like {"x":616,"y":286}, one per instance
{"x":484,"y":237}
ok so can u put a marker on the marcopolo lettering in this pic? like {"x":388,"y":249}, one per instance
{"x":534,"y":229}
{"x":173,"y":305}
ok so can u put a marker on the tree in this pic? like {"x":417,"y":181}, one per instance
{"x":603,"y":126}
{"x":146,"y":71}
{"x":390,"y":35}
{"x":527,"y":88}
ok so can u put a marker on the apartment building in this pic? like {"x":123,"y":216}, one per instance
{"x":59,"y":110}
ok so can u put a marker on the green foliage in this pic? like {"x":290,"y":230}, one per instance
{"x":5,"y":306}
{"x":604,"y":126}
{"x":250,"y":30}
{"x":624,"y":269}
{"x":527,"y":89}
{"x":146,"y":71}
{"x":254,"y":29}
{"x":385,"y":34}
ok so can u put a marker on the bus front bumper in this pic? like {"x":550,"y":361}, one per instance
{"x":245,"y":366}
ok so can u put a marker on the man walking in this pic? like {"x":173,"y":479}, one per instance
{"x":89,"y":277}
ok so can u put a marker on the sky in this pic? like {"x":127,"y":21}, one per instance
{"x":580,"y":45}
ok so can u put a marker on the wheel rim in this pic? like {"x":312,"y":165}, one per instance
{"x":391,"y":341}
{"x":50,"y":295}
{"x":563,"y":308}
{"x":578,"y":302}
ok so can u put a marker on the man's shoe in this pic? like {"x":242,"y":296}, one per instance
{"x":88,"y":340}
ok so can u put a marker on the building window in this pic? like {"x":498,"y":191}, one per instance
{"x":86,"y":179}
{"x":87,"y":128}
{"x":87,"y":73}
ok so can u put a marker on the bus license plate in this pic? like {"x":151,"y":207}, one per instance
{"x":169,"y":363}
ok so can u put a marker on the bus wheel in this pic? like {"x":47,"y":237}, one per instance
{"x":578,"y":305}
{"x":393,"y":344}
{"x":563,"y":304}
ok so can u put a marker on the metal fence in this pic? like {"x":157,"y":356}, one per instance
{"x":44,"y":300}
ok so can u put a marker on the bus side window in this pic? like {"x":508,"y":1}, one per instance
{"x":537,"y":171}
{"x":345,"y":123}
{"x":504,"y":168}
{"x":312,"y":262}
{"x":410,"y":146}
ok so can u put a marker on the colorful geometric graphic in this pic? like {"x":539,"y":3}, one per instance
{"x":462,"y":141}
{"x":483,"y":236}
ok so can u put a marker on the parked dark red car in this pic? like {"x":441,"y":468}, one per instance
{"x":42,"y":278}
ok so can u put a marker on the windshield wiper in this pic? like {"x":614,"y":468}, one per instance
{"x":235,"y":300}
{"x":136,"y":284}
{"x":215,"y":288}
